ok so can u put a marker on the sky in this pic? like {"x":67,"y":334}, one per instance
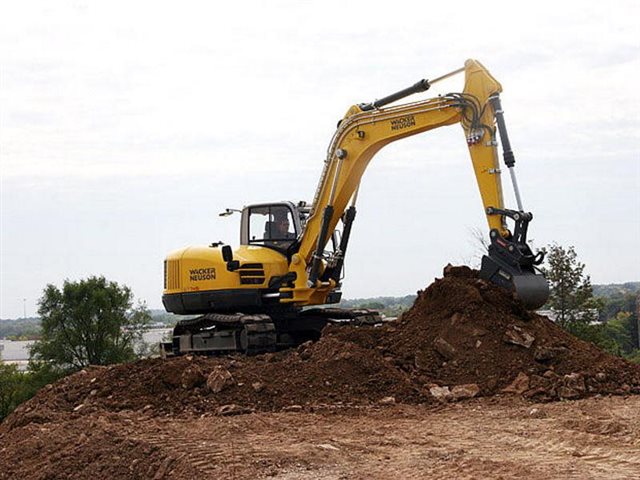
{"x":126,"y":127}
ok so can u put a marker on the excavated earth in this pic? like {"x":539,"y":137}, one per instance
{"x":464,"y":340}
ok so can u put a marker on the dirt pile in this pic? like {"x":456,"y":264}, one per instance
{"x":462,"y":338}
{"x":463,"y":330}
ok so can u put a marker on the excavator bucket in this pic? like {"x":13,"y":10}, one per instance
{"x":530,"y":287}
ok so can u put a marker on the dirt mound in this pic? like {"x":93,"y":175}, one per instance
{"x":462,"y":338}
{"x":326,"y":372}
{"x":464,"y":330}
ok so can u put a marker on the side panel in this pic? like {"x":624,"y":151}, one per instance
{"x":197,"y":279}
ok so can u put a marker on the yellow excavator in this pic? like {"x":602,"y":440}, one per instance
{"x":256,"y":298}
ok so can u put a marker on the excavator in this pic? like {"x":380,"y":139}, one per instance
{"x":276,"y":289}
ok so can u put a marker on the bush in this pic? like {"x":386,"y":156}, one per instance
{"x":17,"y":387}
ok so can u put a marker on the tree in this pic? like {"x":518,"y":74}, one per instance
{"x":571,"y":295}
{"x":89,"y":322}
{"x":10,"y":380}
{"x":571,"y":299}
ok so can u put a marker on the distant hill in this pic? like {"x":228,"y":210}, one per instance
{"x":23,"y":328}
{"x":616,"y":290}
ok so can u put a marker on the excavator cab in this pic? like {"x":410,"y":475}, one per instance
{"x":274,"y":225}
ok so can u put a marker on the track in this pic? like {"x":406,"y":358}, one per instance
{"x":224,"y":333}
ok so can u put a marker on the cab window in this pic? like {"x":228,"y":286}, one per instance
{"x":271,"y":226}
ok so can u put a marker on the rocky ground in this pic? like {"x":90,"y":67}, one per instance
{"x":460,"y":387}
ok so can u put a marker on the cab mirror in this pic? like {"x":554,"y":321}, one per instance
{"x":227,"y":256}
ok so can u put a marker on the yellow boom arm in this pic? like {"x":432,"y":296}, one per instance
{"x":362,"y":134}
{"x":365,"y":129}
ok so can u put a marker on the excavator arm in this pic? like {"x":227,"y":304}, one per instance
{"x":365,"y":129}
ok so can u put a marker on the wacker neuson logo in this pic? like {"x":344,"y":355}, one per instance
{"x":200,"y":274}
{"x":403,"y":122}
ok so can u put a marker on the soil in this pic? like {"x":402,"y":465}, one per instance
{"x":446,"y":385}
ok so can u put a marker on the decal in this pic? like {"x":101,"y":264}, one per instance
{"x":201,"y":274}
{"x":403,"y":122}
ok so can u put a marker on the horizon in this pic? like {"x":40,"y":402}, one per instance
{"x":161,"y":309}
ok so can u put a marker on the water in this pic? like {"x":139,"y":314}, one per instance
{"x":19,"y":351}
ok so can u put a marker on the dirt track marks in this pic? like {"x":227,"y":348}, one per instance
{"x":589,"y":439}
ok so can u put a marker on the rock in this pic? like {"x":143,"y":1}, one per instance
{"x":519,"y":385}
{"x":343,"y":356}
{"x":270,"y":357}
{"x":468,"y":390}
{"x":491,"y":383}
{"x":472,"y":330}
{"x":292,"y":408}
{"x":544,"y":354}
{"x":219,"y":379}
{"x":538,"y":392}
{"x":192,"y":377}
{"x":304,"y":351}
{"x":232,"y":409}
{"x":573,"y":386}
{"x":444,"y":348}
{"x":305,"y":354}
{"x":79,"y":407}
{"x":518,"y":336}
{"x":601,"y":376}
{"x":565,"y":392}
{"x":387,"y":400}
{"x":478,"y":343}
{"x":327,"y":446}
{"x":162,"y":471}
{"x":304,"y":346}
{"x":442,"y":394}
{"x":537,"y":413}
{"x":575,"y":381}
{"x":257,"y":386}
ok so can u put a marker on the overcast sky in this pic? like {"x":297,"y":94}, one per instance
{"x":125,"y":127}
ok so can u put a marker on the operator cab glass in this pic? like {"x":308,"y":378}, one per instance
{"x":272,"y":226}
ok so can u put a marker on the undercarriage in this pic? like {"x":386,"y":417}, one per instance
{"x":251,"y":334}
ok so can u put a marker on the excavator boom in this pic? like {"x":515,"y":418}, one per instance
{"x":366,"y":128}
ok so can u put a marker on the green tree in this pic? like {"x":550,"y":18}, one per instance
{"x":571,"y":299}
{"x":10,"y":382}
{"x":571,"y":295}
{"x":17,"y":387}
{"x":89,"y":322}
{"x":624,"y":309}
